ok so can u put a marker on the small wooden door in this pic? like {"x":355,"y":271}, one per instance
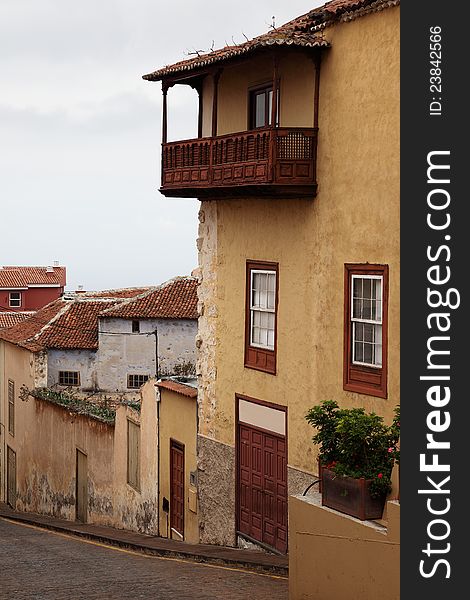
{"x":262,"y":486}
{"x":81,"y":496}
{"x":11,"y":477}
{"x":177,"y":488}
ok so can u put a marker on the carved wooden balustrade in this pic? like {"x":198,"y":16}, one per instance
{"x":272,"y":161}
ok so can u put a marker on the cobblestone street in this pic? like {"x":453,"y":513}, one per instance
{"x":42,"y":565}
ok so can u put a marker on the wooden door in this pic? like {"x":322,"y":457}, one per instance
{"x":177,"y":488}
{"x":262,"y":486}
{"x":81,"y":496}
{"x":11,"y":477}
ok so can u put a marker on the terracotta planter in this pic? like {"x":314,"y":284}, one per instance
{"x":350,"y":496}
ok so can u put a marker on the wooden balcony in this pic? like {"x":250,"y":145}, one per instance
{"x":269,"y":162}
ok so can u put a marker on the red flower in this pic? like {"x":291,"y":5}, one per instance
{"x":380,"y":475}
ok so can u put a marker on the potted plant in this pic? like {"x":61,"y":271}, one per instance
{"x":357,"y":454}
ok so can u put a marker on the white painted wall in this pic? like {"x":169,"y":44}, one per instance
{"x":72,"y":360}
{"x":121,"y":352}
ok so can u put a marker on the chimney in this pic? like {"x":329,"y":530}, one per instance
{"x":56,"y":263}
{"x":80,"y":289}
{"x":49,"y":269}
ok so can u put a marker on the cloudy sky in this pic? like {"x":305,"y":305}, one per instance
{"x":80,"y":131}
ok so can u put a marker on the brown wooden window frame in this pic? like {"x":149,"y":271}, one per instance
{"x":254,"y":91}
{"x":11,"y":407}
{"x":136,"y":377}
{"x":364,"y":379}
{"x":69,"y":378}
{"x":133,"y":470}
{"x":260,"y":359}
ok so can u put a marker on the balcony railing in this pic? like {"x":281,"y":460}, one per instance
{"x":274,"y":161}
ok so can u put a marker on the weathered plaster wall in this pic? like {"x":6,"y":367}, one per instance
{"x":337,"y":557}
{"x":17,"y":365}
{"x":46,"y":463}
{"x":83,"y":361}
{"x":353,"y":219}
{"x":121,"y":352}
{"x":137,"y":509}
{"x":120,"y":355}
{"x":178,"y":422}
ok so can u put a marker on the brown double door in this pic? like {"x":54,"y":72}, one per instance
{"x":177,"y":488}
{"x":262,"y":486}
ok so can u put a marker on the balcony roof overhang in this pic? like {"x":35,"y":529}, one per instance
{"x":304,"y":32}
{"x":191,"y":68}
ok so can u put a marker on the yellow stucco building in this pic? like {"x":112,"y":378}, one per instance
{"x":297,"y":169}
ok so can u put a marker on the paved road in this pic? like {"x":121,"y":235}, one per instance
{"x":41,"y":565}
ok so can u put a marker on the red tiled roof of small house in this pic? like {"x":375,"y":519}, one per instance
{"x":22,"y":277}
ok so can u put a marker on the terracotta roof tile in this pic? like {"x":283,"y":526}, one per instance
{"x":21,"y":277}
{"x":174,"y":299}
{"x":121,"y":293}
{"x":76,"y":327}
{"x":71,"y":322}
{"x":23,"y":334}
{"x":9,"y":319}
{"x":303,"y":31}
{"x":178,"y":387}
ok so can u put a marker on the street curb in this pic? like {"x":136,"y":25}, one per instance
{"x":249,"y":565}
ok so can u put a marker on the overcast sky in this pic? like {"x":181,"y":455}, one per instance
{"x":80,"y":131}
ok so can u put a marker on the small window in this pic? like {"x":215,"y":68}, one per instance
{"x":261,"y":316}
{"x":69,"y":378}
{"x":134,"y":381}
{"x":365,"y":345}
{"x":135,"y":326}
{"x":15,"y":299}
{"x":11,"y":407}
{"x":261,"y":106}
{"x":133,"y":454}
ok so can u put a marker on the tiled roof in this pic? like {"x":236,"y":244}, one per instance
{"x":24,"y":334}
{"x":304,"y":31}
{"x":21,"y":277}
{"x":121,"y":293}
{"x":71,"y":322}
{"x":178,"y":387}
{"x":76,"y":327}
{"x":174,"y":299}
{"x":10,"y":318}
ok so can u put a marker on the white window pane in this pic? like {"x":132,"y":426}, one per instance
{"x":366,"y":309}
{"x":368,"y":353}
{"x":358,"y":353}
{"x":260,"y":108}
{"x":272,"y":282}
{"x":271,"y":339}
{"x":264,"y":319}
{"x":270,"y":106}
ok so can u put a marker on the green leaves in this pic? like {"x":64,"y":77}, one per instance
{"x":356,"y":444}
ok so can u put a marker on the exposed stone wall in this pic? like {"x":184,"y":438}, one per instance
{"x":216,"y":491}
{"x":207,"y":326}
{"x":40,"y":369}
{"x":298,"y":481}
